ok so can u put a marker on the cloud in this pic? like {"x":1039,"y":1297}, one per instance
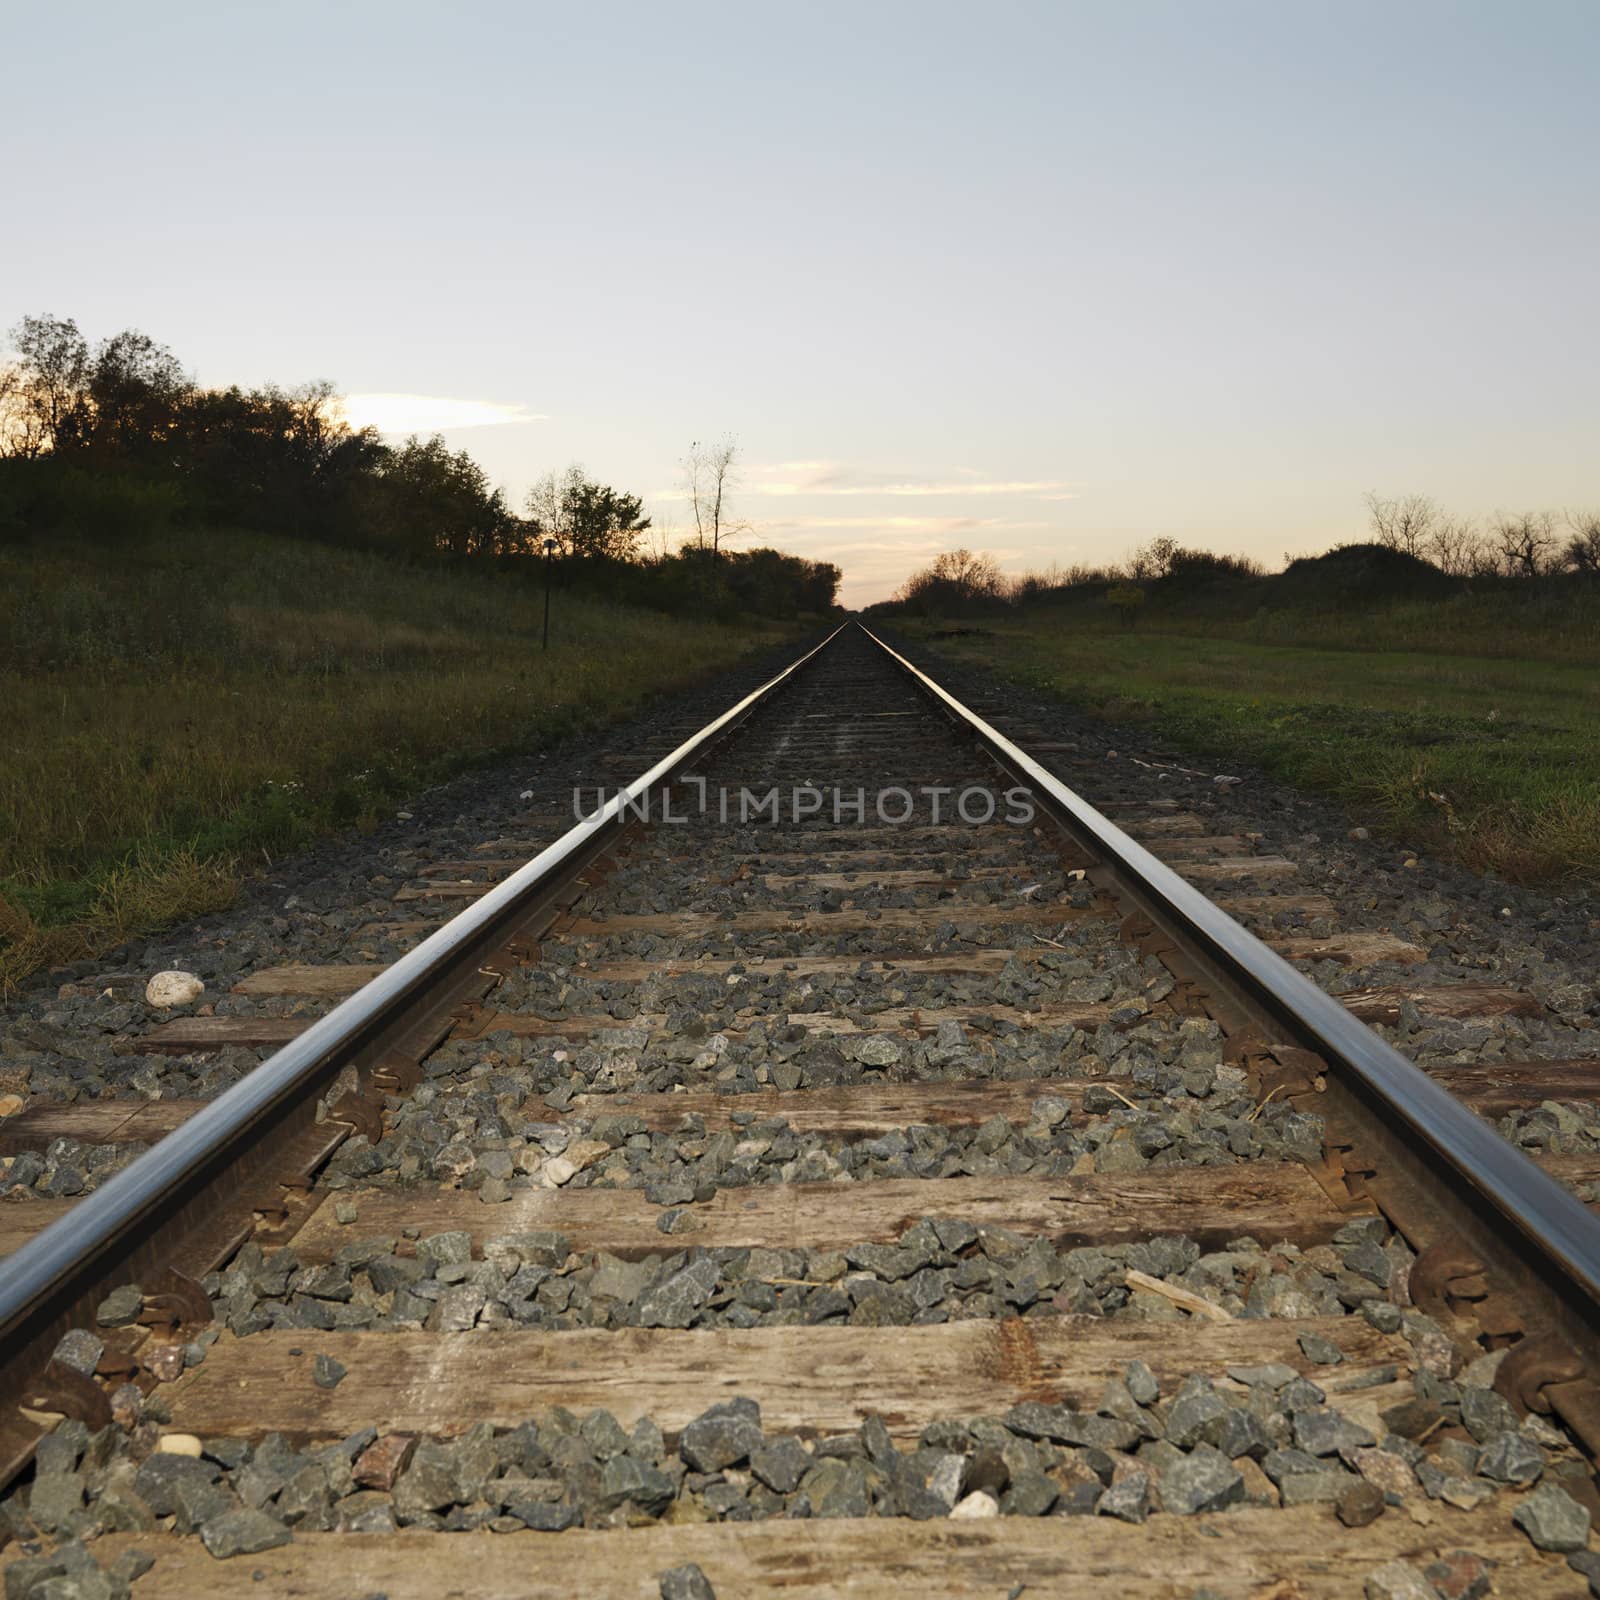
{"x":911,"y":489}
{"x":833,"y":481}
{"x":783,"y":479}
{"x":430,"y":413}
{"x":909,"y":524}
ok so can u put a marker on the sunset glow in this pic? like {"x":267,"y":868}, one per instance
{"x":429,"y":413}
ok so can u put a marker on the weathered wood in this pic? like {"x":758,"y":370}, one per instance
{"x":1272,"y":905}
{"x":477,"y":867}
{"x":1120,"y":808}
{"x":299,"y":978}
{"x":1185,"y":847}
{"x":1355,"y":949}
{"x":926,"y":1019}
{"x":443,"y":891}
{"x":682,"y":843}
{"x":1574,"y":1171}
{"x":868,"y":1110}
{"x":21,"y":1219}
{"x":758,"y":966}
{"x":865,"y":1109}
{"x":704,"y":924}
{"x":872,"y":877}
{"x":398,"y":928}
{"x":94,"y":1122}
{"x":1352,"y":949}
{"x":699,"y":924}
{"x":1164,"y":825}
{"x":812,"y":1380}
{"x":483,"y":1020}
{"x":839,"y":858}
{"x":1247,"y":1554}
{"x":1270,"y":1200}
{"x":1441,"y":1000}
{"x":1492,"y":1088}
{"x":187,"y":1035}
{"x":1228,"y":868}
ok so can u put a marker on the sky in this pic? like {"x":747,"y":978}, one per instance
{"x":1042,"y":280}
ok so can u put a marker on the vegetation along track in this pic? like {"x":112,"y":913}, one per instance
{"x":833,"y":1202}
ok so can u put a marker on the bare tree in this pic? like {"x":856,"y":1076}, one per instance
{"x":974,"y":573}
{"x":958,"y":582}
{"x":710,"y":474}
{"x":1153,"y":560}
{"x":1163,"y":552}
{"x":1404,"y":523}
{"x":655,"y":541}
{"x":548,"y":502}
{"x":1582,"y":553}
{"x":1451,"y":545}
{"x":1525,"y":543}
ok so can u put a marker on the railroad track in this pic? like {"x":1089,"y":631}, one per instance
{"x":829,"y":1195}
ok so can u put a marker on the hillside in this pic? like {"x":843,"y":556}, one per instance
{"x":184,"y":707}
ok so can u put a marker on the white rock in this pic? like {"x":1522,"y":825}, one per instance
{"x":977,"y":1504}
{"x":1397,"y":1580}
{"x":945,"y":1479}
{"x":557,"y":1171}
{"x":1222,"y":780}
{"x":178,"y":1444}
{"x":173,"y":989}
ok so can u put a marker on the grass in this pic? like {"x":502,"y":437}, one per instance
{"x":1558,"y":624}
{"x":1484,"y":747}
{"x":179,"y":713}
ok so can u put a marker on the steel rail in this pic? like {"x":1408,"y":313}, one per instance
{"x":101,"y":1223}
{"x":1546,"y":1216}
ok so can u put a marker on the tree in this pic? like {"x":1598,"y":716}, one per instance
{"x":958,"y":581}
{"x":1525,"y":543}
{"x":1452,"y":545}
{"x":50,"y":393}
{"x":1405,"y":523}
{"x":606,"y":524}
{"x":1125,"y":599}
{"x":710,"y":473}
{"x":1154,"y":560}
{"x":773,"y":584}
{"x":1582,"y":553}
{"x":973,"y":574}
{"x":444,"y":503}
{"x":19,"y":433}
{"x":134,"y":388}
{"x":589,"y":520}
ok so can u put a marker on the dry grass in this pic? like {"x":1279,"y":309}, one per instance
{"x":147,"y":891}
{"x":179,"y":715}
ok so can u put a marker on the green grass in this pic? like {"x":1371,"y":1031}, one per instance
{"x":1559,"y":623}
{"x":181,"y":712}
{"x":1492,"y":758}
